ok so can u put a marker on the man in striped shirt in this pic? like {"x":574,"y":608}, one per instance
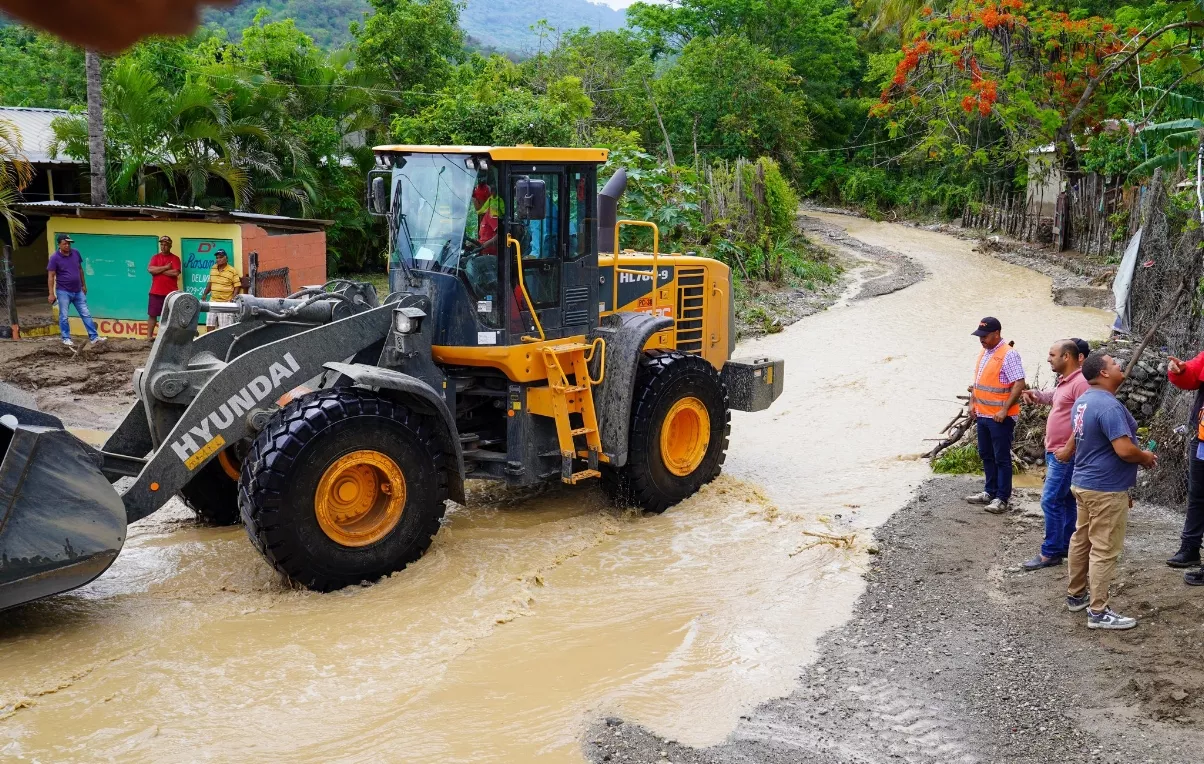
{"x":224,"y":284}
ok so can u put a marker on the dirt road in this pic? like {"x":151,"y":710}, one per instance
{"x":534,"y":614}
{"x":956,"y":655}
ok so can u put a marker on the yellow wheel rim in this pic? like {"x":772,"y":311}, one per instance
{"x":685,"y":435}
{"x":230,"y":464}
{"x":360,"y":498}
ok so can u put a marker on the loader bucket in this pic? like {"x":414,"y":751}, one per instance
{"x":61,"y":522}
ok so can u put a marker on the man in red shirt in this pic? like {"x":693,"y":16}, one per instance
{"x":1057,"y":503}
{"x":1187,"y":375}
{"x":165,"y":272}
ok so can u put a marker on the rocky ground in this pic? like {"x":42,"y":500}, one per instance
{"x":956,"y":655}
{"x":86,"y":386}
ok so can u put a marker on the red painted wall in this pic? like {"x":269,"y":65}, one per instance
{"x":304,"y":254}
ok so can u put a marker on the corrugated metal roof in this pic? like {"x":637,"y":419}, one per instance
{"x":135,"y":211}
{"x":36,"y":133}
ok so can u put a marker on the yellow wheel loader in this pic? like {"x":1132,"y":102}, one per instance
{"x":517,"y":343}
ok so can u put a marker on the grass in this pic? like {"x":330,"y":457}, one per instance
{"x":377,"y":279}
{"x":959,"y":460}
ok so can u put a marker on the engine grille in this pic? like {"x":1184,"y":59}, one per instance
{"x":689,"y":330}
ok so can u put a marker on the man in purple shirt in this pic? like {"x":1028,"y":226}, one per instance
{"x":67,"y":285}
{"x":1057,"y":503}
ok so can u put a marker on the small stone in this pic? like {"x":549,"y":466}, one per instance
{"x":1179,"y":695}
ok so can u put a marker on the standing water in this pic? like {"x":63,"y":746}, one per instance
{"x":534,"y":612}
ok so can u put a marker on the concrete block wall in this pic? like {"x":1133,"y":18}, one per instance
{"x":304,"y":254}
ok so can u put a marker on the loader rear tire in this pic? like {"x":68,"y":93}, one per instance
{"x":307,"y":471}
{"x":213,"y":495}
{"x":679,"y":432}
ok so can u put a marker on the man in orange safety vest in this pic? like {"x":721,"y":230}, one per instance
{"x":995,"y":399}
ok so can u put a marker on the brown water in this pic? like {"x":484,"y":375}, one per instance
{"x":534,"y":612}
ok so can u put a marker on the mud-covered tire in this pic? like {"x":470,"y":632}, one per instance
{"x":212,"y":495}
{"x":287,"y":460}
{"x":664,"y":378}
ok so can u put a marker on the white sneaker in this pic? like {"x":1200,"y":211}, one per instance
{"x":979,"y":498}
{"x":997,"y":507}
{"x":98,"y":340}
{"x":1109,"y":619}
{"x":69,"y":343}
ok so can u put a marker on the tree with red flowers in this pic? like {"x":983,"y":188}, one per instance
{"x":984,"y":81}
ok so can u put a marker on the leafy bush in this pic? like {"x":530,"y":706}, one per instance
{"x":959,"y":460}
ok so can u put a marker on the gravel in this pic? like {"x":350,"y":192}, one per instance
{"x":955,"y":655}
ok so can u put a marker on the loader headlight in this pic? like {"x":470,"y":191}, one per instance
{"x":408,"y":320}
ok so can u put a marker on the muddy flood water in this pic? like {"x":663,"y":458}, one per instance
{"x":533,"y":613}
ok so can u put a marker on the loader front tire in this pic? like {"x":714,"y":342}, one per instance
{"x":212,"y":493}
{"x":343,"y":486}
{"x":679,"y":432}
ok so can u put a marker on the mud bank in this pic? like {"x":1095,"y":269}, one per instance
{"x":955,"y":654}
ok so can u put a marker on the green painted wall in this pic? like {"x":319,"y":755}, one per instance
{"x":115,"y":267}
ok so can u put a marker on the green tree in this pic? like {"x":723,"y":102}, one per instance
{"x":15,"y":173}
{"x":38,"y":69}
{"x":409,"y":43}
{"x":733,"y":99}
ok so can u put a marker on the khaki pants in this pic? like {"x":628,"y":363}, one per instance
{"x":1098,"y":538}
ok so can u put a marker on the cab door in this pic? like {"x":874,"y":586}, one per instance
{"x":579,"y":271}
{"x":540,"y":236}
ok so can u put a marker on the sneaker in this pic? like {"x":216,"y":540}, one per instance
{"x":1109,"y":619}
{"x":1194,"y":577}
{"x":979,"y":498}
{"x":1188,"y":556}
{"x":1075,"y":603}
{"x":98,"y":340}
{"x":997,"y":507}
{"x":1039,"y":562}
{"x":69,"y":343}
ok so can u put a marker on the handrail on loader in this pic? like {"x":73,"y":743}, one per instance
{"x":518,"y":258}
{"x":656,"y":251}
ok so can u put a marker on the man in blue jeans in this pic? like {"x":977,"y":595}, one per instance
{"x":1057,"y":503}
{"x":995,"y":398}
{"x":67,"y":285}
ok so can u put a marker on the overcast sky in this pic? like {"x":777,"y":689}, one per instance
{"x":622,"y":3}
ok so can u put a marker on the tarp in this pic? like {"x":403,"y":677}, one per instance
{"x":1123,"y":281}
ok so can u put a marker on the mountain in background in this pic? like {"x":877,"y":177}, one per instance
{"x":503,"y":25}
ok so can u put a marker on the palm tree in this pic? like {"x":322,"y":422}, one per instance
{"x":99,"y":189}
{"x":15,"y":174}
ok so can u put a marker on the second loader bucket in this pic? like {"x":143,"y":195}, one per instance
{"x":61,"y":522}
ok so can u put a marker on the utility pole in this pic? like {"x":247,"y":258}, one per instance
{"x":96,"y":131}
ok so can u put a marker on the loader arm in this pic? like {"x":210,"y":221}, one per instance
{"x":229,"y":401}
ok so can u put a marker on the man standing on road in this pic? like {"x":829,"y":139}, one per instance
{"x":68,"y":286}
{"x":224,"y":284}
{"x":1106,"y":457}
{"x":1187,"y":375}
{"x":165,"y":269}
{"x":1057,"y":503}
{"x":995,"y":398}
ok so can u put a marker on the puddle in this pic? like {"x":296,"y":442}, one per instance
{"x":535,"y":611}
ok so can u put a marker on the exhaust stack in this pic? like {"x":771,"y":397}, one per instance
{"x":608,"y":209}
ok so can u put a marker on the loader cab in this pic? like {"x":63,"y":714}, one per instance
{"x":505,"y":240}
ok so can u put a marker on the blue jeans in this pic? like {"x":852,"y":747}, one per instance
{"x":1059,"y":507}
{"x":995,"y":450}
{"x":66,"y":300}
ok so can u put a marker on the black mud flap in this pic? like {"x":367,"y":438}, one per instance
{"x":61,"y":522}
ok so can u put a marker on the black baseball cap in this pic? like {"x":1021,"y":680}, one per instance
{"x":63,"y":237}
{"x":1083,"y":346}
{"x":986,"y":326}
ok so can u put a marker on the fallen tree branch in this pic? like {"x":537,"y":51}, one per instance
{"x":1154,"y":328}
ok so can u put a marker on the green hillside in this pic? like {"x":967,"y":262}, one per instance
{"x":501,"y":24}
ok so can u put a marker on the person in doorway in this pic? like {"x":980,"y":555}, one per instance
{"x":1057,"y":503}
{"x":224,"y":284}
{"x":1189,"y":375}
{"x":68,"y":286}
{"x":1106,"y":457}
{"x":165,"y":269}
{"x":995,"y":399}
